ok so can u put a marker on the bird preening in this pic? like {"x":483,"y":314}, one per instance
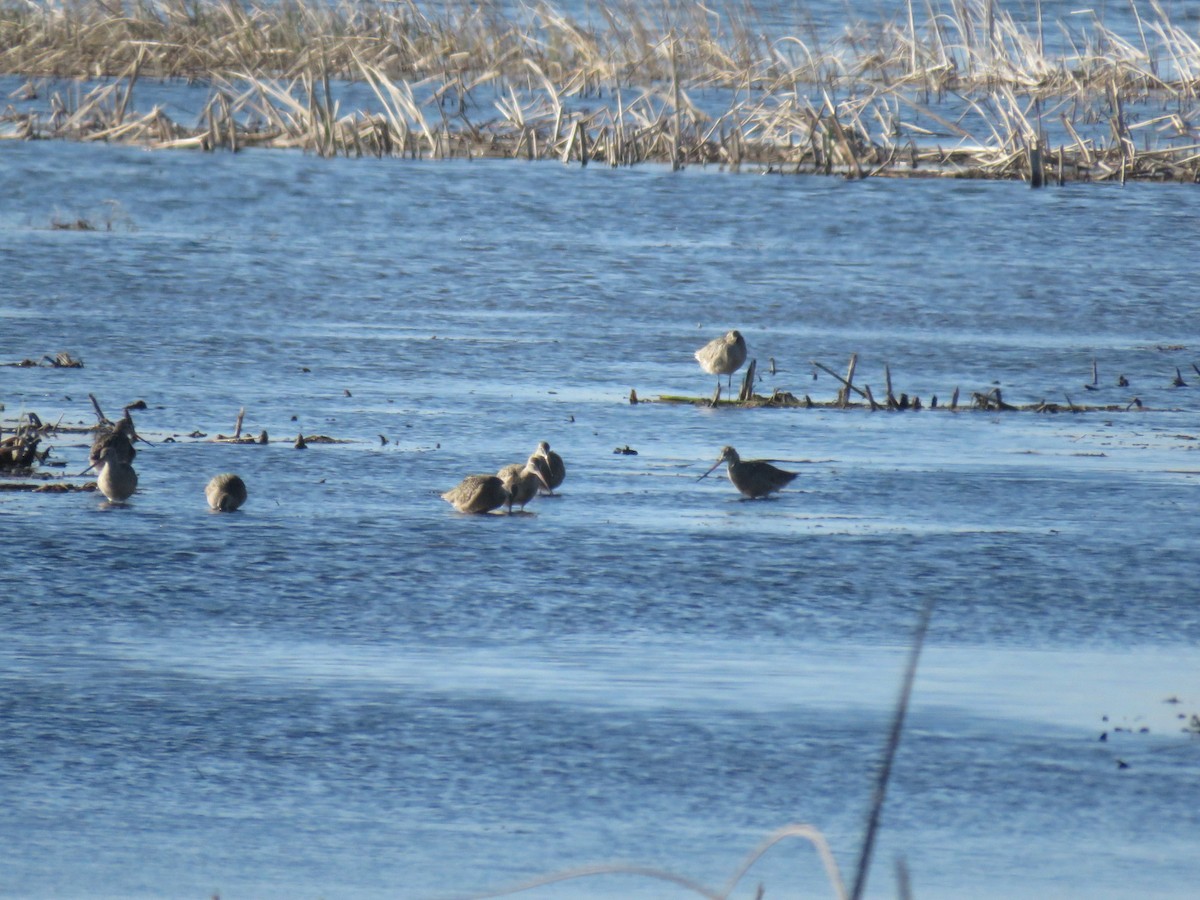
{"x":522,"y":482}
{"x":112,"y":456}
{"x":114,"y":444}
{"x":517,"y":483}
{"x":723,"y":356}
{"x":550,"y":465}
{"x":754,"y":478}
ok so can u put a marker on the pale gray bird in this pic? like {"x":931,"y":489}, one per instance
{"x":226,"y":492}
{"x":723,"y":356}
{"x":117,"y":480}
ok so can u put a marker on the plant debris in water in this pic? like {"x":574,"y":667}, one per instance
{"x":62,"y":360}
{"x":957,"y":90}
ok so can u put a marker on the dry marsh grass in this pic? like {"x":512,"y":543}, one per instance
{"x":946,"y":90}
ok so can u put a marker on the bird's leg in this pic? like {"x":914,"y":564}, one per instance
{"x":716,"y":398}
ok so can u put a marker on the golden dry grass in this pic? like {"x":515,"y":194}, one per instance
{"x":945,"y":92}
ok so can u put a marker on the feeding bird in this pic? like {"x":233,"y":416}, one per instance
{"x":522,"y":481}
{"x":478,"y":494}
{"x":753,"y":477}
{"x":226,"y":492}
{"x":723,"y":356}
{"x":550,"y":466}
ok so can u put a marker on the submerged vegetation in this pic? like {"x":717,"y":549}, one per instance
{"x":958,"y":88}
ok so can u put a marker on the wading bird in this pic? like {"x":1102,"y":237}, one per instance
{"x":225,"y":492}
{"x":117,"y":480}
{"x":477,"y":494}
{"x":550,"y":466}
{"x":723,"y":356}
{"x":115,"y":444}
{"x":753,"y":477}
{"x":522,"y":481}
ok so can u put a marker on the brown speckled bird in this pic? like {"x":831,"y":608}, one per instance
{"x":522,"y":481}
{"x":477,"y":494}
{"x":753,"y":477}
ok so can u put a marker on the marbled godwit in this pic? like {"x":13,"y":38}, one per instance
{"x":225,"y":492}
{"x":117,"y":480}
{"x":522,"y":481}
{"x":723,"y":356}
{"x":477,"y":494}
{"x":115,"y":443}
{"x":550,"y":466}
{"x":753,"y":477}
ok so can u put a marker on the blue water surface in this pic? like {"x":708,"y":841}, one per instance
{"x":348,"y":690}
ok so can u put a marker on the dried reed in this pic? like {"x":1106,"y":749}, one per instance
{"x":961,"y":91}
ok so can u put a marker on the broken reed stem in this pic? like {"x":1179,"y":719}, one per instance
{"x":747,"y":391}
{"x":677,"y":137}
{"x":871,"y":399}
{"x":101,"y":418}
{"x":846,"y":383}
{"x":889,"y":753}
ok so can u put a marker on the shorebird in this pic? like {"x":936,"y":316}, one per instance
{"x":753,"y":477}
{"x":522,"y":481}
{"x":225,"y":492}
{"x":115,"y":443}
{"x":117,"y":480}
{"x":477,"y":494}
{"x":723,"y":356}
{"x":550,"y":466}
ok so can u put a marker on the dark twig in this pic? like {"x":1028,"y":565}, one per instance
{"x":889,"y":753}
{"x":830,"y":371}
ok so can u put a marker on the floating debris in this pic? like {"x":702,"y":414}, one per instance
{"x":990,"y":400}
{"x":61,"y":360}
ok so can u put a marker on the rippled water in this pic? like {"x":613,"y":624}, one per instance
{"x":348,"y":690}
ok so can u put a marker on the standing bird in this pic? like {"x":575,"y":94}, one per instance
{"x":477,"y":494}
{"x":226,"y":492}
{"x":723,"y":356}
{"x":115,"y":444}
{"x":117,"y":479}
{"x":522,"y":481}
{"x":753,"y":477}
{"x":550,"y":466}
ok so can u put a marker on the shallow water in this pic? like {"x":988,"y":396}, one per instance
{"x":348,"y":690}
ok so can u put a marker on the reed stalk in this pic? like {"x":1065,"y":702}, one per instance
{"x":710,"y":86}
